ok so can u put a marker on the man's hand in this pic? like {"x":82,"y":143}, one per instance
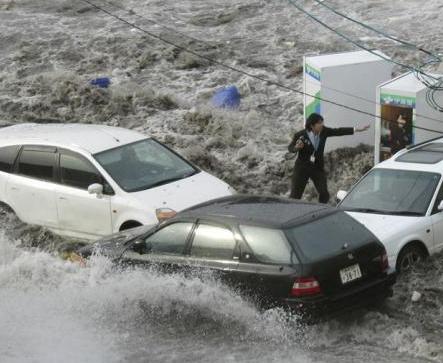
{"x":299,"y":145}
{"x":363,"y":128}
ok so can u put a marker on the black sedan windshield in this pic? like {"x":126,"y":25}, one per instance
{"x":402,"y":192}
{"x":143,"y":165}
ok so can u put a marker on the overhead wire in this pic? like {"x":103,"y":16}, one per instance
{"x":432,"y":87}
{"x":432,"y":83}
{"x":357,"y":44}
{"x":133,"y":12}
{"x":408,"y":44}
{"x":172,"y":30}
{"x":240,"y":71}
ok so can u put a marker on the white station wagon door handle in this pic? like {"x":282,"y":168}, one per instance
{"x":62,"y":198}
{"x":14,"y":188}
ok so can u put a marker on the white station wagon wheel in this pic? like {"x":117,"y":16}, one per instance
{"x":410,"y":256}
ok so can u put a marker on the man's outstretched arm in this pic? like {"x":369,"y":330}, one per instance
{"x":341,"y":131}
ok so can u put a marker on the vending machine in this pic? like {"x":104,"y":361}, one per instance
{"x":349,"y":79}
{"x":404,"y":115}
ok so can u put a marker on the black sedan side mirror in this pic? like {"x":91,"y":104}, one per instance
{"x":141,"y":247}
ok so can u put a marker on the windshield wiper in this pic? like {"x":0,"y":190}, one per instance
{"x":164,"y":181}
{"x":170,"y":180}
{"x":404,"y":213}
{"x":366,"y":210}
{"x":187,"y":175}
{"x":390,"y":212}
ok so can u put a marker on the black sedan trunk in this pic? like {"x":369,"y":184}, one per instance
{"x":352,"y":269}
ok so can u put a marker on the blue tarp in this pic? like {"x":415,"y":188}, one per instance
{"x":226,"y":97}
{"x":102,"y":82}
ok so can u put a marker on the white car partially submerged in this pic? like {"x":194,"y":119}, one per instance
{"x":88,"y":181}
{"x":400,"y":201}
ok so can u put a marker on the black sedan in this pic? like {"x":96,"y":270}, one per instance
{"x":278,"y":251}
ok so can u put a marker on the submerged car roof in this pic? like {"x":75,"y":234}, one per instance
{"x":89,"y":137}
{"x":261,"y":210}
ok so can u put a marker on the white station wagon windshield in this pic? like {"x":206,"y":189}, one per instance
{"x":144,"y":164}
{"x":399,"y":192}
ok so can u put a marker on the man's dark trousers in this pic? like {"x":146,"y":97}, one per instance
{"x":302,"y":173}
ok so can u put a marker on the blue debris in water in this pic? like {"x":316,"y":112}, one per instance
{"x":102,"y":82}
{"x":226,"y":97}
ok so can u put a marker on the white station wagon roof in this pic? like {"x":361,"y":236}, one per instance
{"x":92,"y":138}
{"x":423,"y":157}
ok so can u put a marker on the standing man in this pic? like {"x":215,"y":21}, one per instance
{"x":310,"y":145}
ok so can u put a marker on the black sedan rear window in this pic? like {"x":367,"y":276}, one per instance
{"x":327,"y":236}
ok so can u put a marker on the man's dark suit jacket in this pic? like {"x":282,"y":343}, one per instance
{"x":304,"y":155}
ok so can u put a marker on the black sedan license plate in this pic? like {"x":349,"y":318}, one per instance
{"x":350,"y":273}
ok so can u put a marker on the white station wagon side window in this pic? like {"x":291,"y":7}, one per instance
{"x":7,"y":158}
{"x":37,"y":164}
{"x":77,"y":172}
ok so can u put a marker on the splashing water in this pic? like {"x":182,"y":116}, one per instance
{"x":53,"y":309}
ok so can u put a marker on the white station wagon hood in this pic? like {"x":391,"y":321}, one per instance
{"x":386,"y":226}
{"x":184,"y":193}
{"x":395,"y":231}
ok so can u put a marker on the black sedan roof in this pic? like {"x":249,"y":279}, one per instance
{"x":262,"y":210}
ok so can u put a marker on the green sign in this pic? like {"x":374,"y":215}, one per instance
{"x":314,"y":106}
{"x":314,"y":73}
{"x":397,"y":100}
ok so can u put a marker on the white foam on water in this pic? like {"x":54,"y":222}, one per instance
{"x":53,"y":309}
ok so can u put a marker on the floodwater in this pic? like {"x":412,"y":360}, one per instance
{"x":52,"y":310}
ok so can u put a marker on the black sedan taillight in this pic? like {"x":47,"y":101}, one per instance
{"x":384,"y":262}
{"x":305,"y":286}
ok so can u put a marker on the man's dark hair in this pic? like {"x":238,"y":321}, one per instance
{"x":313,"y":119}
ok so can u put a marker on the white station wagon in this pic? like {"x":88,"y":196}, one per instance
{"x":87,"y":181}
{"x":400,"y":201}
